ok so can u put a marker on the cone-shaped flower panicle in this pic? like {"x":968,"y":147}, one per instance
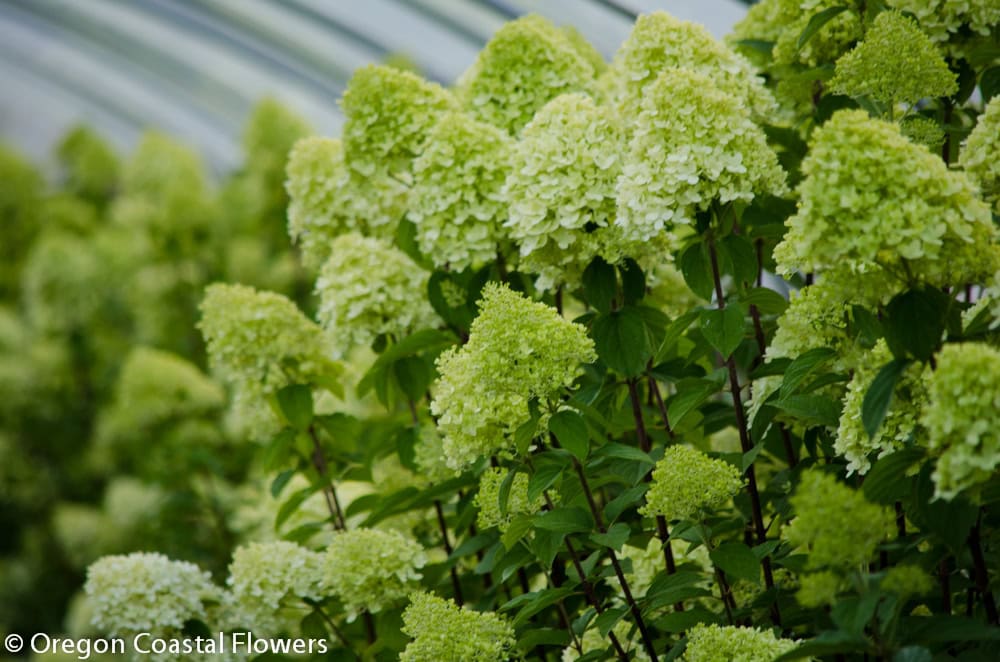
{"x":687,"y":484}
{"x":727,"y":643}
{"x":952,"y":23}
{"x":980,"y":155}
{"x":441,"y":631}
{"x":488,"y":499}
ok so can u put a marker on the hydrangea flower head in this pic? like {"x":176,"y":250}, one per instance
{"x":265,"y":577}
{"x":980,"y":157}
{"x":686,"y":483}
{"x":871,"y":198}
{"x":90,"y":164}
{"x":826,"y":45}
{"x":728,"y":643}
{"x":962,"y":416}
{"x":268,"y":136}
{"x":952,"y":23}
{"x":368,"y":288}
{"x":154,"y":385}
{"x":488,"y":499}
{"x":660,"y":42}
{"x":692,"y":144}
{"x":518,"y":350}
{"x":527,"y":63}
{"x":894,"y":63}
{"x":561,"y":189}
{"x":441,"y":631}
{"x":456,"y":200}
{"x":146,"y":592}
{"x":907,"y":580}
{"x":371,"y":569}
{"x":838,"y":526}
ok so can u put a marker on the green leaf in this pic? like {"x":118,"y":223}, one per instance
{"x":912,"y":654}
{"x":885,"y":482}
{"x":633,"y":281}
{"x":767,"y":300}
{"x":472,"y":545}
{"x":817,"y":22}
{"x":413,"y":375}
{"x":425,"y":341}
{"x":607,"y":621}
{"x":406,"y":239}
{"x":600,"y":285}
{"x":571,"y":431}
{"x":803,"y":366}
{"x":947,"y":630}
{"x":723,"y":329}
{"x":535,"y":637}
{"x":670,"y":589}
{"x":691,"y":393}
{"x":742,"y":256}
{"x":915,"y":322}
{"x":565,"y":520}
{"x":625,"y":500}
{"x":516,"y":530}
{"x":623,"y":452}
{"x":989,"y":84}
{"x":811,"y":409}
{"x":697,"y":270}
{"x":280,"y":481}
{"x":877,"y":399}
{"x":543,"y":479}
{"x":682,"y":621}
{"x":296,"y":403}
{"x":535,"y":602}
{"x":737,"y":560}
{"x":616,"y":536}
{"x":622,"y":341}
{"x":503,"y":494}
{"x":673,"y":332}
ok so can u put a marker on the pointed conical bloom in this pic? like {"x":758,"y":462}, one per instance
{"x":980,"y":157}
{"x":518,"y":350}
{"x":727,"y":643}
{"x":692,"y":145}
{"x":687,"y":483}
{"x":441,"y":631}
{"x":456,"y":200}
{"x":527,"y":63}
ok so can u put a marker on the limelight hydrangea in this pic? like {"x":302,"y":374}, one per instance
{"x":900,"y":424}
{"x":945,"y":20}
{"x":527,"y":63}
{"x":727,"y":643}
{"x":269,"y":134}
{"x":488,"y":499}
{"x":980,"y":155}
{"x":829,"y":43}
{"x":518,"y":350}
{"x":584,"y":48}
{"x":90,"y":164}
{"x":660,"y":42}
{"x":818,"y":589}
{"x":870,"y":197}
{"x":129,"y":503}
{"x":895,"y":63}
{"x":441,"y":631}
{"x":561,"y":190}
{"x":686,"y":483}
{"x":429,"y":455}
{"x":692,"y":144}
{"x":146,"y":592}
{"x":61,"y":282}
{"x":962,"y":416}
{"x":323,"y":202}
{"x":922,"y":130}
{"x":368,"y":288}
{"x":907,"y":580}
{"x":456,"y":200}
{"x":371,"y":569}
{"x":264,"y":578}
{"x":838,"y":526}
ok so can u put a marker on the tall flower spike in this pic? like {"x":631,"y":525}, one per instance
{"x":894,"y":63}
{"x":561,"y":190}
{"x":265,"y":578}
{"x":371,"y":569}
{"x":962,"y":416}
{"x":660,"y":42}
{"x":838,"y":526}
{"x":692,"y":144}
{"x":368,"y":288}
{"x":456,"y":201}
{"x":444,"y":632}
{"x":528,"y":62}
{"x":518,"y":351}
{"x":687,"y":483}
{"x":146,"y":592}
{"x":980,"y":155}
{"x":872,"y":199}
{"x":726,"y":643}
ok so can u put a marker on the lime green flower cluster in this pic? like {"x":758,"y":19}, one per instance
{"x":518,"y":351}
{"x":780,"y":22}
{"x":527,"y":63}
{"x":901,"y":422}
{"x":979,"y":157}
{"x":692,"y":145}
{"x":562,"y":189}
{"x":90,"y":166}
{"x":146,"y":592}
{"x":894,"y":63}
{"x":441,"y":631}
{"x":951,"y":22}
{"x":727,"y":643}
{"x":456,"y":200}
{"x":835,"y":523}
{"x":871,"y":199}
{"x":269,"y":133}
{"x":61,"y":282}
{"x":962,"y":416}
{"x":818,"y":589}
{"x":688,"y":483}
{"x":323,"y":203}
{"x":907,"y":580}
{"x":660,"y":42}
{"x":370,"y":569}
{"x":488,"y":499}
{"x":922,"y":130}
{"x":265,"y":578}
{"x":368,"y":288}
{"x":429,"y":455}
